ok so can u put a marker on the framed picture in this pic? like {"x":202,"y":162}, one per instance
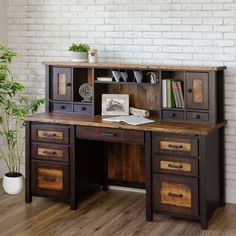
{"x":115,"y":104}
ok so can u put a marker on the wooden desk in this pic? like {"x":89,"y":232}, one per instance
{"x":182,"y":162}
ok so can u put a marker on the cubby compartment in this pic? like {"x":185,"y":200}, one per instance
{"x":172,"y":89}
{"x":82,"y":84}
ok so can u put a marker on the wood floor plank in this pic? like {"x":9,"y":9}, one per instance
{"x":111,"y":213}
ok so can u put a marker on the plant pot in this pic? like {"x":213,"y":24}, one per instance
{"x":80,"y":56}
{"x":13,"y":183}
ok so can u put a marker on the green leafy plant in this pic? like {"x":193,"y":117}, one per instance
{"x":82,"y":47}
{"x":13,"y":107}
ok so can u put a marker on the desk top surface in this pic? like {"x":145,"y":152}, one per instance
{"x":96,"y":121}
{"x":133,"y":66}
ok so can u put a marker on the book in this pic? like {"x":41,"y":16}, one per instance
{"x":131,"y":120}
{"x":104,"y":79}
{"x":180,"y":90}
{"x":170,"y":96}
{"x":175,"y":92}
{"x":164,"y":95}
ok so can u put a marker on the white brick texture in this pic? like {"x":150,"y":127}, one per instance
{"x":188,"y":32}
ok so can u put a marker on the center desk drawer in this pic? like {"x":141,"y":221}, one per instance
{"x":50,"y":133}
{"x":110,"y":135}
{"x":174,"y":145}
{"x":51,"y":152}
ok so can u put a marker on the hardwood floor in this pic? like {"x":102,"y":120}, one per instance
{"x":106,"y":213}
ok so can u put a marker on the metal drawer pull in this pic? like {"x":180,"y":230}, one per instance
{"x":49,"y":135}
{"x":197,"y":116}
{"x":49,"y":178}
{"x":175,"y":146}
{"x":63,"y":107}
{"x":108,"y":134}
{"x":179,"y":195}
{"x":175,"y":166}
{"x":49,"y":153}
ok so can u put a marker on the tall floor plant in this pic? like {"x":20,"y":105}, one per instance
{"x":13,"y":107}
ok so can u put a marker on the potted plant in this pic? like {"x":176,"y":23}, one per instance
{"x":79,"y":52}
{"x":13,"y":107}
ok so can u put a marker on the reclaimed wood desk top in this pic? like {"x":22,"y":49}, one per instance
{"x":96,"y":121}
{"x":133,"y":66}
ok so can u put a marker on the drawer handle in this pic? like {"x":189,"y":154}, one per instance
{"x":49,"y":135}
{"x":179,"y":195}
{"x":68,"y":84}
{"x":175,"y":166}
{"x":197,"y":116}
{"x":63,"y":107}
{"x":83,"y":108}
{"x":175,"y":146}
{"x":49,"y":178}
{"x":108,"y":134}
{"x":50,"y":153}
{"x":189,"y":90}
{"x":172,"y":115}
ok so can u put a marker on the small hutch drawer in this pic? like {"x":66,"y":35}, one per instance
{"x":175,"y":145}
{"x":62,"y":107}
{"x":83,"y":109}
{"x":175,"y":165}
{"x":50,"y":133}
{"x":50,"y":152}
{"x":167,"y":114}
{"x":110,"y":135}
{"x":175,"y":194}
{"x":201,"y":116}
{"x":50,"y":180}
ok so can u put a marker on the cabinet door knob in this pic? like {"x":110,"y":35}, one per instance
{"x":68,"y":84}
{"x":189,"y":90}
{"x":63,"y":107}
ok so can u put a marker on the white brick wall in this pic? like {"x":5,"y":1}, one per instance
{"x":3,"y":40}
{"x":188,"y":32}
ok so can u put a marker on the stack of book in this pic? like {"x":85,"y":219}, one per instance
{"x":172,"y":93}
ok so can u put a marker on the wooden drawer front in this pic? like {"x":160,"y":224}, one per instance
{"x":175,"y":165}
{"x":83,"y":109}
{"x":175,"y":146}
{"x":50,"y":180}
{"x":175,"y":194}
{"x":50,"y":152}
{"x":201,"y":116}
{"x":50,"y":133}
{"x":62,"y":107}
{"x":173,"y":115}
{"x":110,"y":135}
{"x":62,"y":84}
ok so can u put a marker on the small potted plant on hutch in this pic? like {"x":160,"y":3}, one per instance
{"x":79,"y":52}
{"x":13,"y":107}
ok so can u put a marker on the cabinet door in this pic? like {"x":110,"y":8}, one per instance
{"x":62,"y":84}
{"x":197,"y":90}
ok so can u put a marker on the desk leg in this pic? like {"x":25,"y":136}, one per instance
{"x":28,"y":195}
{"x":148,"y":174}
{"x":73,"y":170}
{"x":222,"y":166}
{"x":105,"y":168}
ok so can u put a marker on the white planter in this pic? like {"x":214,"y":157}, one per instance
{"x":13,"y":185}
{"x":80,"y":56}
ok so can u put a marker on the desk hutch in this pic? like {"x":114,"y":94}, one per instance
{"x":179,"y":159}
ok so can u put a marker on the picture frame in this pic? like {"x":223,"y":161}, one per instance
{"x":115,"y":104}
